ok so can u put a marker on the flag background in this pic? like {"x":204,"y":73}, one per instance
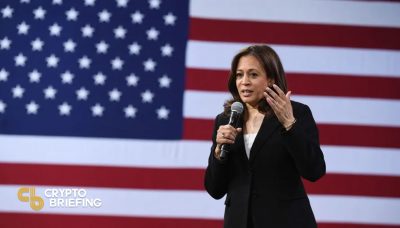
{"x":341,"y":57}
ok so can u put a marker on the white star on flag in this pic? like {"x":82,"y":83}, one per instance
{"x":122,"y":3}
{"x":154,"y":4}
{"x":67,"y":77}
{"x":104,"y":16}
{"x":23,"y":28}
{"x":167,"y":50}
{"x":20,"y":60}
{"x":164,"y":81}
{"x":90,"y":2}
{"x":32,"y":108}
{"x":37,"y":44}
{"x":120,"y":32}
{"x":55,"y":30}
{"x":49,"y":92}
{"x":84,"y":62}
{"x":72,"y":14}
{"x":147,"y":96}
{"x":99,"y":79}
{"x":162,"y":113}
{"x":5,"y":43}
{"x":132,"y":80}
{"x":87,"y":31}
{"x":57,"y":2}
{"x":69,"y":46}
{"x":152,"y":34}
{"x":7,"y":12}
{"x":115,"y":95}
{"x":82,"y":94}
{"x":39,"y":13}
{"x":117,"y":63}
{"x":52,"y":61}
{"x":102,"y":47}
{"x":2,"y":106}
{"x":149,"y":65}
{"x":65,"y":109}
{"x":134,"y":48}
{"x":130,"y":111}
{"x":137,"y":17}
{"x":97,"y":110}
{"x":3,"y":75}
{"x":169,"y":19}
{"x":34,"y":76}
{"x":18,"y":91}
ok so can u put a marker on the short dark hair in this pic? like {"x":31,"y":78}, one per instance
{"x":272,"y":65}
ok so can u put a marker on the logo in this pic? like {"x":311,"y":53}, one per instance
{"x":28,"y":194}
{"x":58,"y":198}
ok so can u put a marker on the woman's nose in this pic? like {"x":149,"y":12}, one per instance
{"x":245,"y":79}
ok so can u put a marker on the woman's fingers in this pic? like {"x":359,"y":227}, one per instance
{"x":280,"y":103}
{"x":226,"y":134}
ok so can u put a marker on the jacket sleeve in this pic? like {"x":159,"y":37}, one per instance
{"x":302,"y":141}
{"x":216,"y":175}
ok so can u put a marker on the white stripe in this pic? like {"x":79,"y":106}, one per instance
{"x":353,"y":209}
{"x":331,"y":110}
{"x":362,"y":160}
{"x":302,"y":59}
{"x":164,"y":154}
{"x":197,"y":204}
{"x":317,"y":12}
{"x":104,"y":152}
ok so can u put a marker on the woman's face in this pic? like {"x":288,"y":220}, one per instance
{"x":251,"y":80}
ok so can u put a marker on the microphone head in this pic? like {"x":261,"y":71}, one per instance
{"x":237,"y":107}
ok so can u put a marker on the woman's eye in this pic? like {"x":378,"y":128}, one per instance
{"x":253,"y":75}
{"x":239,"y":75}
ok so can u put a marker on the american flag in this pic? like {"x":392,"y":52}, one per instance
{"x":119,"y":97}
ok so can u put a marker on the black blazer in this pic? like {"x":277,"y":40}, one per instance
{"x":268,"y":184}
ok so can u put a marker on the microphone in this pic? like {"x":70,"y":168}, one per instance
{"x":236,"y":110}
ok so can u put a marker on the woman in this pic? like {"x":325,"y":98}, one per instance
{"x":275,"y":145}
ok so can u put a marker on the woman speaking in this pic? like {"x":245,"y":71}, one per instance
{"x":274,"y":144}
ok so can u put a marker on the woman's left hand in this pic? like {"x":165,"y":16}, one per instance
{"x":280,"y":104}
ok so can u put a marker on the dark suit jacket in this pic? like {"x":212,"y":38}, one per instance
{"x":269,"y":183}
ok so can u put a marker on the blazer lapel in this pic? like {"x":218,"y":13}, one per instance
{"x":268,"y":127}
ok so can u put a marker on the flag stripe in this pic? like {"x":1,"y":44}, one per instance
{"x":306,"y":84}
{"x":326,"y":109}
{"x":283,"y":33}
{"x":182,"y":155}
{"x":362,"y":13}
{"x":66,"y":221}
{"x":327,"y":208}
{"x":351,"y":135}
{"x":177,"y":179}
{"x":346,"y":61}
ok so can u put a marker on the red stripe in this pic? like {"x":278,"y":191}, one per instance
{"x":11,"y":220}
{"x":347,"y":184}
{"x":294,"y":33}
{"x":306,"y":84}
{"x":344,"y":135}
{"x":186,"y":179}
{"x":347,"y":225}
{"x":100,"y":176}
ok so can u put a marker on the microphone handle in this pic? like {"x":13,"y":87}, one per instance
{"x":225,"y":148}
{"x":224,"y":152}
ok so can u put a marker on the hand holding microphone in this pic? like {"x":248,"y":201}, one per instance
{"x":226,"y":134}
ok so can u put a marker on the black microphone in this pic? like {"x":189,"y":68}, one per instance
{"x":236,"y":110}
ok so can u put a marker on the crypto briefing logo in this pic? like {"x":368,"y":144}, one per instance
{"x":28,"y":194}
{"x":58,"y":198}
